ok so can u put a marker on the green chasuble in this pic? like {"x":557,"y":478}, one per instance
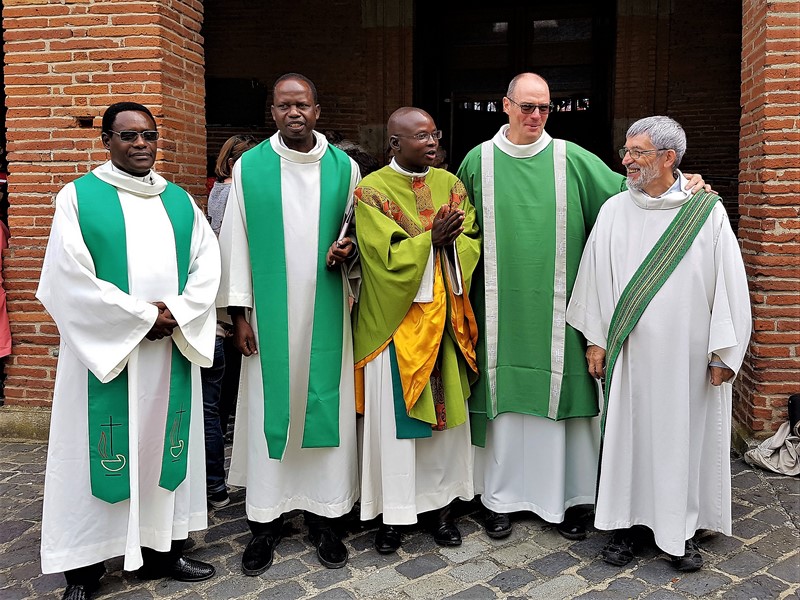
{"x":102,"y":225}
{"x":394,"y":213}
{"x":535,"y":225}
{"x":261,"y":186}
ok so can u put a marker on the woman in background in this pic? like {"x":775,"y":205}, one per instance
{"x":221,"y":380}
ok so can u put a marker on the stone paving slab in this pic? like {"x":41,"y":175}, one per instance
{"x":760,"y":561}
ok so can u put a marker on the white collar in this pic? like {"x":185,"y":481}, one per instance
{"x":675,"y":196}
{"x":502,"y":142}
{"x":313,"y":155}
{"x":151,"y":184}
{"x":396,"y":166}
{"x":146,"y":178}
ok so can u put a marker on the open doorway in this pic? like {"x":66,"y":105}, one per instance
{"x":465,"y":54}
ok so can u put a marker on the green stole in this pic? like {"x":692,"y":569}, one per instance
{"x":406,"y":426}
{"x":102,"y":225}
{"x":654,"y":271}
{"x":261,"y":186}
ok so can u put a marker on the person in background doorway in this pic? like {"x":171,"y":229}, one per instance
{"x":221,"y":380}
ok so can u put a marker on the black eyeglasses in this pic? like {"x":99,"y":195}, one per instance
{"x":423,"y":136}
{"x":636,"y":153}
{"x":527,"y":109}
{"x":130,"y":136}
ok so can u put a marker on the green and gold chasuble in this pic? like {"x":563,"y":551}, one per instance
{"x":535,"y":216}
{"x":102,"y":225}
{"x":427,"y":341}
{"x":261,"y":187}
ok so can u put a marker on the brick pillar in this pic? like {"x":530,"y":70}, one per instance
{"x":65,"y":63}
{"x":769,"y":226}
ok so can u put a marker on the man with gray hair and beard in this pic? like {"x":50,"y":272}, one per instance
{"x":661,"y":297}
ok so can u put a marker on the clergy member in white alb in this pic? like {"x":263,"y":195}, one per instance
{"x":130,"y":276}
{"x":294,"y":442}
{"x":661,"y":296}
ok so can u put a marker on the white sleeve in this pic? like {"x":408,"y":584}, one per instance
{"x":236,"y":283}
{"x":731,"y":322}
{"x":194,"y":309}
{"x":99,"y":322}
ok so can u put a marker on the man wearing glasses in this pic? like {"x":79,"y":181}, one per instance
{"x":414,"y":335}
{"x":662,"y":284}
{"x":130,"y":276}
{"x":534,"y":406}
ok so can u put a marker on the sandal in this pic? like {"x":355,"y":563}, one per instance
{"x":619,"y":550}
{"x":691,"y":560}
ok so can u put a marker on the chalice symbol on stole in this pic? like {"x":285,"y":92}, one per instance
{"x":106,"y":449}
{"x":176,"y":444}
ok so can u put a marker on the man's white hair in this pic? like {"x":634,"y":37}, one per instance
{"x":663,"y":132}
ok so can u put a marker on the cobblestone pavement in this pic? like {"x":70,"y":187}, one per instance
{"x":761,"y":560}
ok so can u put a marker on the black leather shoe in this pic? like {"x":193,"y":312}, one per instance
{"x":447,"y":534}
{"x":691,"y":560}
{"x":444,"y":530}
{"x":331,"y":552}
{"x":619,"y":550}
{"x":387,"y":539}
{"x":498,"y":525}
{"x":572,"y":527}
{"x":77,"y":592}
{"x":183,"y":569}
{"x":189,"y":569}
{"x":259,"y":553}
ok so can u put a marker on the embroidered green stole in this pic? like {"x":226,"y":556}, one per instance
{"x":654,"y":271}
{"x":102,"y":225}
{"x":261,"y":186}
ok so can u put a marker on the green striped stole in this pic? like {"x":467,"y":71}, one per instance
{"x":654,"y":271}
{"x":102,"y":225}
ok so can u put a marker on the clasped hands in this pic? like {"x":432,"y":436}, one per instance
{"x":447,"y":226}
{"x":164,"y":324}
{"x":596,"y":359}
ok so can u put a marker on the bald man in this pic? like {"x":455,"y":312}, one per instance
{"x":534,"y":408}
{"x":414,"y":335}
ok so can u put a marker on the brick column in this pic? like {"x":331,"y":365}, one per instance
{"x":65,"y":63}
{"x":769,"y":226}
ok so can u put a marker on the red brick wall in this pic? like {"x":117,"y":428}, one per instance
{"x":66,"y":62}
{"x":769,"y":227}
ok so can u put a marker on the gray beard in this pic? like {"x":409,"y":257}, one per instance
{"x":646,"y":177}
